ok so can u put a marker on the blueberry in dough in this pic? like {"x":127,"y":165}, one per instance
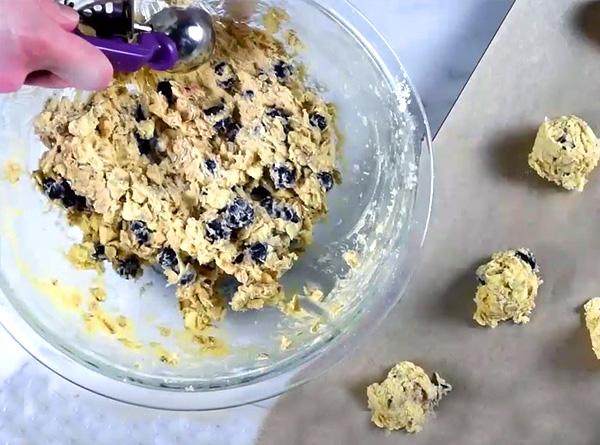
{"x":326,"y":180}
{"x":527,"y":256}
{"x":228,"y":128}
{"x":165,"y":88}
{"x":220,"y":68}
{"x":278,"y":112}
{"x":239,"y":214}
{"x":167,"y":258}
{"x":140,"y":114}
{"x":215,"y":110}
{"x":70,"y":199}
{"x":187,"y":278}
{"x":211,"y":166}
{"x":283,"y":70}
{"x":129,"y":268}
{"x":146,"y":146}
{"x":283,"y":176}
{"x":258,"y":252}
{"x":289,"y":214}
{"x":140,"y":231}
{"x":318,"y":120}
{"x":268,"y":204}
{"x":99,"y":253}
{"x":53,"y":189}
{"x":227,"y":84}
{"x":217,"y":230}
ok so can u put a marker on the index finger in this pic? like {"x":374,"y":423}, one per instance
{"x":76,"y":61}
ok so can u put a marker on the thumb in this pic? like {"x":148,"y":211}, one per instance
{"x":67,"y":18}
{"x":77,"y":62}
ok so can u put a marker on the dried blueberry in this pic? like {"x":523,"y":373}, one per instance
{"x":165,"y":88}
{"x":238,"y":259}
{"x":217,"y":230}
{"x":249,"y":94}
{"x":289,"y":214}
{"x":215,"y":110}
{"x":99,"y":253}
{"x":146,"y":146}
{"x":239,"y":214}
{"x":269,"y":205}
{"x":258,"y":252}
{"x":187,"y":278}
{"x":129,"y":268}
{"x":53,"y":189}
{"x":282,"y":176}
{"x":211,"y":166}
{"x":527,"y":256}
{"x":259,"y":193}
{"x":167,"y":258}
{"x":228,"y":128}
{"x":140,"y":231}
{"x":318,"y":120}
{"x":326,"y":180}
{"x":227,"y":84}
{"x":220,"y":68}
{"x":278,"y":112}
{"x":140,"y":114}
{"x":70,"y":199}
{"x":283,"y":70}
{"x":480,"y":279}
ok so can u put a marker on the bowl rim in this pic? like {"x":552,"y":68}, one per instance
{"x":315,"y":362}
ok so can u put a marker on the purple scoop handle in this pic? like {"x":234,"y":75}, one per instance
{"x":153,"y":49}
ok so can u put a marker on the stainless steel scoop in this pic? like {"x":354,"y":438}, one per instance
{"x":190,"y":30}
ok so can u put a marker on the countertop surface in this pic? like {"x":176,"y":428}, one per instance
{"x":532,"y":384}
{"x":440,"y":43}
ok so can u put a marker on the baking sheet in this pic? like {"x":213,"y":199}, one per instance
{"x":532,"y":384}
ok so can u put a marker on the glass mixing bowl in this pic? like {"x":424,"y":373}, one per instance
{"x":381,"y":211}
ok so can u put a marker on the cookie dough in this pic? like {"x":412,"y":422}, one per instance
{"x":592,"y":322}
{"x":351,"y":258}
{"x":217,"y":173}
{"x":406,"y":398}
{"x":508,"y":285}
{"x":565,"y":152}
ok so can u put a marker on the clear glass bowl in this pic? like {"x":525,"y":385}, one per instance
{"x":381,"y":210}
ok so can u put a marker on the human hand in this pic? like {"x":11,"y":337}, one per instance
{"x":38,"y":48}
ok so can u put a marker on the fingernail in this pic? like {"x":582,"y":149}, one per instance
{"x":68,"y":13}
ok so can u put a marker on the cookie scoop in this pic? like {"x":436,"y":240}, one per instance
{"x":175,"y":39}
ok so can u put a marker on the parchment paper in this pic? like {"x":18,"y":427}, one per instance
{"x":532,"y":384}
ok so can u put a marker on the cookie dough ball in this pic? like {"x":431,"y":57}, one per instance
{"x":405,"y":398}
{"x":592,"y":322}
{"x":566,"y":151}
{"x":508,"y":285}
